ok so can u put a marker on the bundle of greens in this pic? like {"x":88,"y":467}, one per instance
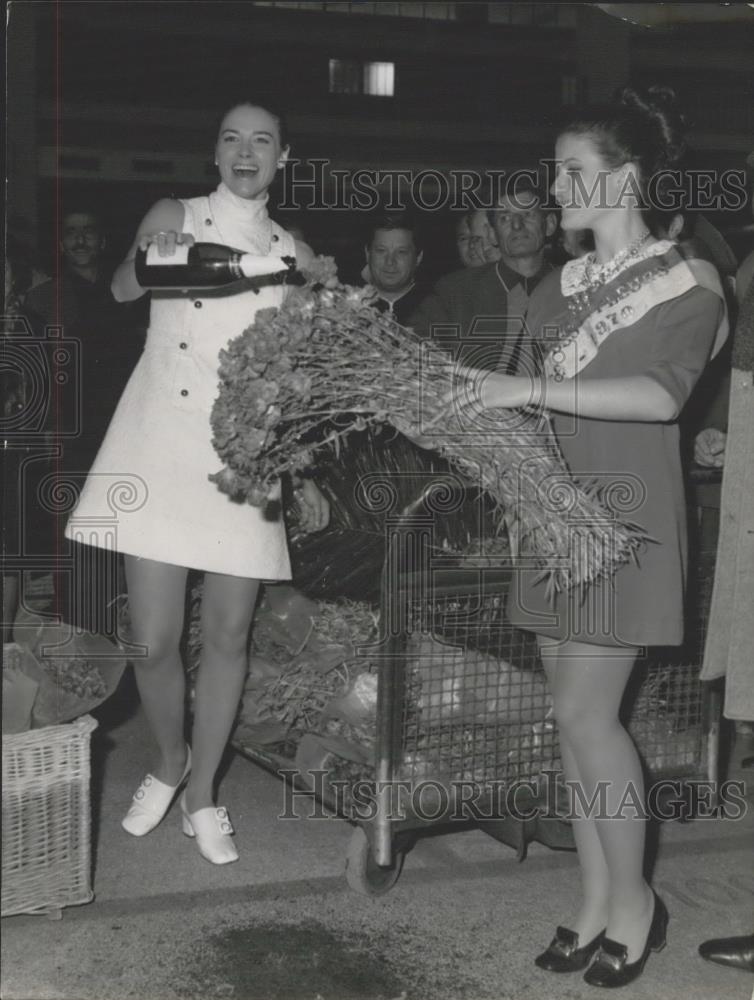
{"x":327,"y":363}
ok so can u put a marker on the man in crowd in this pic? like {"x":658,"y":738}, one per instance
{"x":482,"y":240}
{"x":394,"y":252}
{"x":729,"y":629}
{"x":475,"y":239}
{"x":486,"y":305}
{"x":110,"y":337}
{"x":466,"y":255}
{"x":78,"y":297}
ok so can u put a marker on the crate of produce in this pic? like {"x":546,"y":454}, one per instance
{"x":46,"y":819}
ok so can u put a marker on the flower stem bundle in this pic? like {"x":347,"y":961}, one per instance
{"x":302,"y":377}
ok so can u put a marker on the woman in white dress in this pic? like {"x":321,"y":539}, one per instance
{"x":148,"y":494}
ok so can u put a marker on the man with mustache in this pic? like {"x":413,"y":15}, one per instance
{"x":79,"y":299}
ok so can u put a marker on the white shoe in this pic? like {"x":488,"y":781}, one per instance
{"x":151,"y":802}
{"x":213,"y":830}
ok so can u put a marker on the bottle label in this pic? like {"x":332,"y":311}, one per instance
{"x":252,"y":266}
{"x":180,"y":256}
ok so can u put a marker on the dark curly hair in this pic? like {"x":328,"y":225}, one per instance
{"x":645,"y":129}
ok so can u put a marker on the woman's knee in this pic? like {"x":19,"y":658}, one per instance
{"x":156,"y":595}
{"x":226,"y":635}
{"x":580,"y":720}
{"x":157,"y":643}
{"x":227,"y":611}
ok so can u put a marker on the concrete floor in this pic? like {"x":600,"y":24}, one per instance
{"x":463,"y":922}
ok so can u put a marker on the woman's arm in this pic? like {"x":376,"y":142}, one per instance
{"x":304,"y":254}
{"x":633,"y":397}
{"x":164,"y":219}
{"x":675,"y":348}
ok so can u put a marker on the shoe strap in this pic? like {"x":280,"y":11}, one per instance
{"x":147,"y":782}
{"x":223,"y":820}
{"x":566,"y":941}
{"x":612,"y":954}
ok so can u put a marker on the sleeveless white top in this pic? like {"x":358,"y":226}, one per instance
{"x":147,"y":493}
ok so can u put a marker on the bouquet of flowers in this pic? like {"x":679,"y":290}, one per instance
{"x":326,"y":363}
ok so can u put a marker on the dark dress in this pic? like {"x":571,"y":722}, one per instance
{"x":639,"y":464}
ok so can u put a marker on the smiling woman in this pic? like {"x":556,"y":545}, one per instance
{"x":622,"y":335}
{"x":250,"y":150}
{"x":159,"y":444}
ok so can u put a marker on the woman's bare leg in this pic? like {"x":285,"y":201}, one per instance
{"x":228,"y":605}
{"x":156,"y":600}
{"x":588,"y":686}
{"x":591,"y":917}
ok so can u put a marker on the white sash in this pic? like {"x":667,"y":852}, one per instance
{"x":636,"y":298}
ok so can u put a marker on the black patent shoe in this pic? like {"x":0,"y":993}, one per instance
{"x":738,"y":952}
{"x":564,"y":954}
{"x":611,"y":969}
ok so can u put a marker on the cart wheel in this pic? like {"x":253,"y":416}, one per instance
{"x":363,"y":874}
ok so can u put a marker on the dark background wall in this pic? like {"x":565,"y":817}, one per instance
{"x":117,"y":104}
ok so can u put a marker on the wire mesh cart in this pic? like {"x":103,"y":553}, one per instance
{"x":463,"y":718}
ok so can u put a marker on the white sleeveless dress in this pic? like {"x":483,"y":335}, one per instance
{"x":147,"y":493}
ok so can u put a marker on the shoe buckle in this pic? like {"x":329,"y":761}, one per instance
{"x":615,"y":961}
{"x":223,"y":821}
{"x":566,"y":942}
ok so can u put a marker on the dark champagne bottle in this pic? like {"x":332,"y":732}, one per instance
{"x":210,"y":265}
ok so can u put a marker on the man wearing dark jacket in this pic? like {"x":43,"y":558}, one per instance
{"x":479,"y":312}
{"x":393,"y":254}
{"x":78,"y":297}
{"x":111,"y":338}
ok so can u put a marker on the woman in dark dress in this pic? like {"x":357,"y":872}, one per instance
{"x":623,"y":333}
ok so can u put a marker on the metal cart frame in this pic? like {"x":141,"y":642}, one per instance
{"x":457,"y":607}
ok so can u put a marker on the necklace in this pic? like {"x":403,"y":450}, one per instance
{"x":598,"y":274}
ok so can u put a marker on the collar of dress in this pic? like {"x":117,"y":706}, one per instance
{"x":573,"y":276}
{"x":242,"y":223}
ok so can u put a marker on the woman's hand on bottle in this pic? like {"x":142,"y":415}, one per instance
{"x":167,"y":216}
{"x":314,"y":509}
{"x":165,"y":241}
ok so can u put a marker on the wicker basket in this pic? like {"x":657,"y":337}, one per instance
{"x":46,"y":819}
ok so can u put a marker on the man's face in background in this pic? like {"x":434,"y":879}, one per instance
{"x":393,"y":259}
{"x":81,"y":242}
